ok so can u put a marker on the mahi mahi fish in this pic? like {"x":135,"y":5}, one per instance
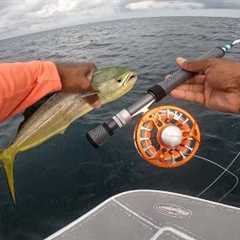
{"x":60,"y":110}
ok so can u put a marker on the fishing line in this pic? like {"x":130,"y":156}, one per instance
{"x":226,"y":170}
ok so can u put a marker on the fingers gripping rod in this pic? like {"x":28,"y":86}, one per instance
{"x":98,"y":135}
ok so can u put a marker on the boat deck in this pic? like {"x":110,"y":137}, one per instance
{"x":154,"y":215}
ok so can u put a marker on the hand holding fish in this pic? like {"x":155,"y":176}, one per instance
{"x":216,"y":85}
{"x":77,"y":77}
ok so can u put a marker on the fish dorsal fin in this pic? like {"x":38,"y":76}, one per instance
{"x":7,"y":158}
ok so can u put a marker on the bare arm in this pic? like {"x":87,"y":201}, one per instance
{"x":23,"y":84}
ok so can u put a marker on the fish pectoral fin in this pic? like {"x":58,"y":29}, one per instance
{"x":7,"y":158}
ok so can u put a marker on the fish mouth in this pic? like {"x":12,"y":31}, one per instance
{"x":131,"y":77}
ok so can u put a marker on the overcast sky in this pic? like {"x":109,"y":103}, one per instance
{"x":18,"y":17}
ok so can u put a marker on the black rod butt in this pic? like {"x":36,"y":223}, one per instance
{"x":97,"y":136}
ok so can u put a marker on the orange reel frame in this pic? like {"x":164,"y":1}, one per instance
{"x":147,"y":137}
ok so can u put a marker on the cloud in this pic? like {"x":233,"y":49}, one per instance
{"x":163,"y":4}
{"x":176,"y":4}
{"x":24,"y":16}
{"x":220,"y":4}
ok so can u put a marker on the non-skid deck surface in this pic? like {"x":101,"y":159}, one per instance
{"x":154,"y":215}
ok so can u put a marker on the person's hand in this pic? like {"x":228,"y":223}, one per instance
{"x":216,"y":84}
{"x":76,"y":78}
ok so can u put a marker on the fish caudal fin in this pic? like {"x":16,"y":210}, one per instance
{"x":7,"y":158}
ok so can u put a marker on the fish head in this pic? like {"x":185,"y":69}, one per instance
{"x":113,"y":82}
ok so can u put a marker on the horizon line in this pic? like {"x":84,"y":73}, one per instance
{"x":113,"y":20}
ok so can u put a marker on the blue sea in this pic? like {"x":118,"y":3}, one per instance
{"x":65,"y":177}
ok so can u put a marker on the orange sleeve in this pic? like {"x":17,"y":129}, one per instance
{"x":23,"y":84}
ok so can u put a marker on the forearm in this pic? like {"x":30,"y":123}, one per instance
{"x":23,"y":84}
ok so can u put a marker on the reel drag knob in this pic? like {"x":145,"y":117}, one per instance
{"x":167,"y":137}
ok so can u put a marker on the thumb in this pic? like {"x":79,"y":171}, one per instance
{"x":85,"y":83}
{"x":90,"y":75}
{"x":193,"y":66}
{"x":90,"y":69}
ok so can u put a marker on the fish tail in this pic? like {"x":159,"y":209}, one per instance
{"x":7,"y":158}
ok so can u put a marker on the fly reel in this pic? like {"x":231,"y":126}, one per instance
{"x":167,"y":137}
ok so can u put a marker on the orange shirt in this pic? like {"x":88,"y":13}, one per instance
{"x":23,"y":84}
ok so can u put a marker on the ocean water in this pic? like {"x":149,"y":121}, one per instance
{"x":65,"y":177}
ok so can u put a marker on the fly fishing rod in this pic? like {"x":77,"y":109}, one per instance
{"x":101,"y":133}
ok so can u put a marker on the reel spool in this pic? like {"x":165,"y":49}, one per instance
{"x":167,"y":137}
